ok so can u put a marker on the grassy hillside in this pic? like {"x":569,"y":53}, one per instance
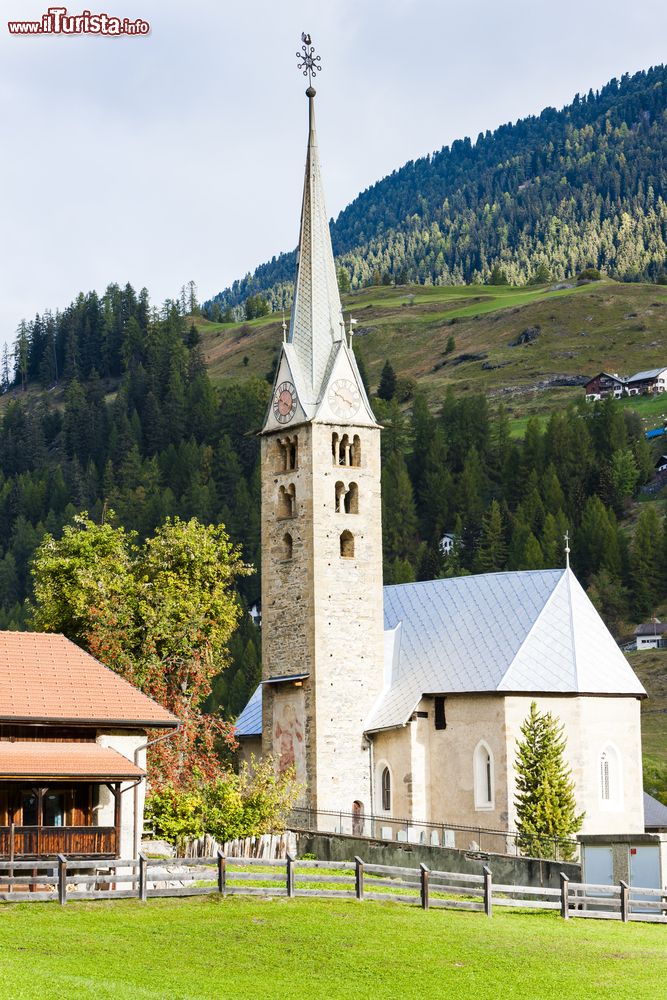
{"x":619,"y":327}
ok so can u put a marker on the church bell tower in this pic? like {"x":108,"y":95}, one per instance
{"x":322,"y":615}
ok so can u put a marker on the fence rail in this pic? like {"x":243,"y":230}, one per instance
{"x":65,"y":880}
{"x":467,"y":838}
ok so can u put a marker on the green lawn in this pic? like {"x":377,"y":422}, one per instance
{"x":252,"y":948}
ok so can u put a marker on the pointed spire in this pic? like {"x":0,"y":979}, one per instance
{"x":566,"y":539}
{"x":315,"y":323}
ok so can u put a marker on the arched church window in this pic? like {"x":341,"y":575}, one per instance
{"x":288,"y":545}
{"x":340,"y":494}
{"x":334,"y":448}
{"x":287,"y":501}
{"x":355,"y":452}
{"x":344,"y":450}
{"x":347,"y":545}
{"x":351,"y":502}
{"x":385,"y":789}
{"x":610,"y":776}
{"x":483,"y":776}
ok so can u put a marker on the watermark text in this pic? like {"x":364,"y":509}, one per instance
{"x":56,"y":21}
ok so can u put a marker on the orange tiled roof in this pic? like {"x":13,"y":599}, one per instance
{"x":45,"y":677}
{"x":64,"y":760}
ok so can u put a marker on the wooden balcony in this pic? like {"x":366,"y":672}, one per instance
{"x":49,"y":841}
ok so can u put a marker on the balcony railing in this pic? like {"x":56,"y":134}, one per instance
{"x":49,"y":841}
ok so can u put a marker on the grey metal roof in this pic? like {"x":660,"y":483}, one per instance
{"x":533,"y":631}
{"x":655,"y":814}
{"x":640,"y":376}
{"x":651,"y":628}
{"x":249,"y":722}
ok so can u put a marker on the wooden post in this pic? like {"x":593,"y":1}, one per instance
{"x":12,"y":850}
{"x":142,"y":877}
{"x":116,"y":817}
{"x":625,"y":901}
{"x":222,"y":873}
{"x":289,"y":874}
{"x":564,"y":894}
{"x":359,"y":877}
{"x":62,"y":879}
{"x":424,"y":886}
{"x":488,"y":892}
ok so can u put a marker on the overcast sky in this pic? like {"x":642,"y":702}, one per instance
{"x":179,"y":155}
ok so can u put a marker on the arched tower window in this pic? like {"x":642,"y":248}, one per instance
{"x":340,"y":494}
{"x":334,"y":448}
{"x":344,"y":450}
{"x":347,"y":545}
{"x":287,"y":501}
{"x":288,"y":545}
{"x":483,"y":776}
{"x":610,"y":776}
{"x":355,"y":452}
{"x":385,"y":789}
{"x":288,"y":453}
{"x":352,"y":499}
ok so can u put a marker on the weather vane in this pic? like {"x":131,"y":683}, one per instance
{"x":308,"y":61}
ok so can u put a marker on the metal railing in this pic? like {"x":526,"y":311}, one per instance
{"x":472,"y":839}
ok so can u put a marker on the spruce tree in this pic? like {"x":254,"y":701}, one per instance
{"x":546,"y":808}
{"x":387,"y":386}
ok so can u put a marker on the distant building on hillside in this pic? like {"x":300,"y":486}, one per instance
{"x":652,"y":635}
{"x":446,"y":544}
{"x":603,"y":385}
{"x":654,"y":380}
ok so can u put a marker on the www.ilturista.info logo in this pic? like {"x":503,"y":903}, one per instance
{"x":57,"y":21}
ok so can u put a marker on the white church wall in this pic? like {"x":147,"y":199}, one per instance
{"x":591,"y":726}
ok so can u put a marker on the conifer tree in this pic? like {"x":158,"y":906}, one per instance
{"x":546,"y":808}
{"x":387,"y":386}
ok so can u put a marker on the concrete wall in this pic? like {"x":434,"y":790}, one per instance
{"x":518,"y":871}
{"x":124,"y":743}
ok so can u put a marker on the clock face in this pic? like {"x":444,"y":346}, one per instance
{"x":284,"y":402}
{"x":344,"y":398}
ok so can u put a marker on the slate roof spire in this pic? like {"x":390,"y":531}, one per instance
{"x":316,"y":322}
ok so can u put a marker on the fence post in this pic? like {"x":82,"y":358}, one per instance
{"x":62,"y":879}
{"x":564,"y":893}
{"x":359,"y":877}
{"x":222,"y":872}
{"x":424,"y":886}
{"x":488,"y":891}
{"x":625,"y":901}
{"x":142,"y":877}
{"x":289,"y":873}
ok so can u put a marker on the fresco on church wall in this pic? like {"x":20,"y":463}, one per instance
{"x":288,"y":732}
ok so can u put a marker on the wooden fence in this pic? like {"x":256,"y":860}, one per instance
{"x":143,"y":878}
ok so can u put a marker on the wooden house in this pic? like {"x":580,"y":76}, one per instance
{"x":73,"y":738}
{"x":604,"y":384}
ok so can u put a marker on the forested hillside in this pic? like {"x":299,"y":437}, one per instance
{"x":533,"y":201}
{"x":133,"y":424}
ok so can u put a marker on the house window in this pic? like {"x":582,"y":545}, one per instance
{"x":29,"y":803}
{"x":439,"y":711}
{"x":347,"y":545}
{"x":483,"y":776}
{"x":385,"y":789}
{"x":287,"y":546}
{"x":610,"y":777}
{"x":54,"y":809}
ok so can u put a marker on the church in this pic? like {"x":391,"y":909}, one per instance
{"x":406,"y":701}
